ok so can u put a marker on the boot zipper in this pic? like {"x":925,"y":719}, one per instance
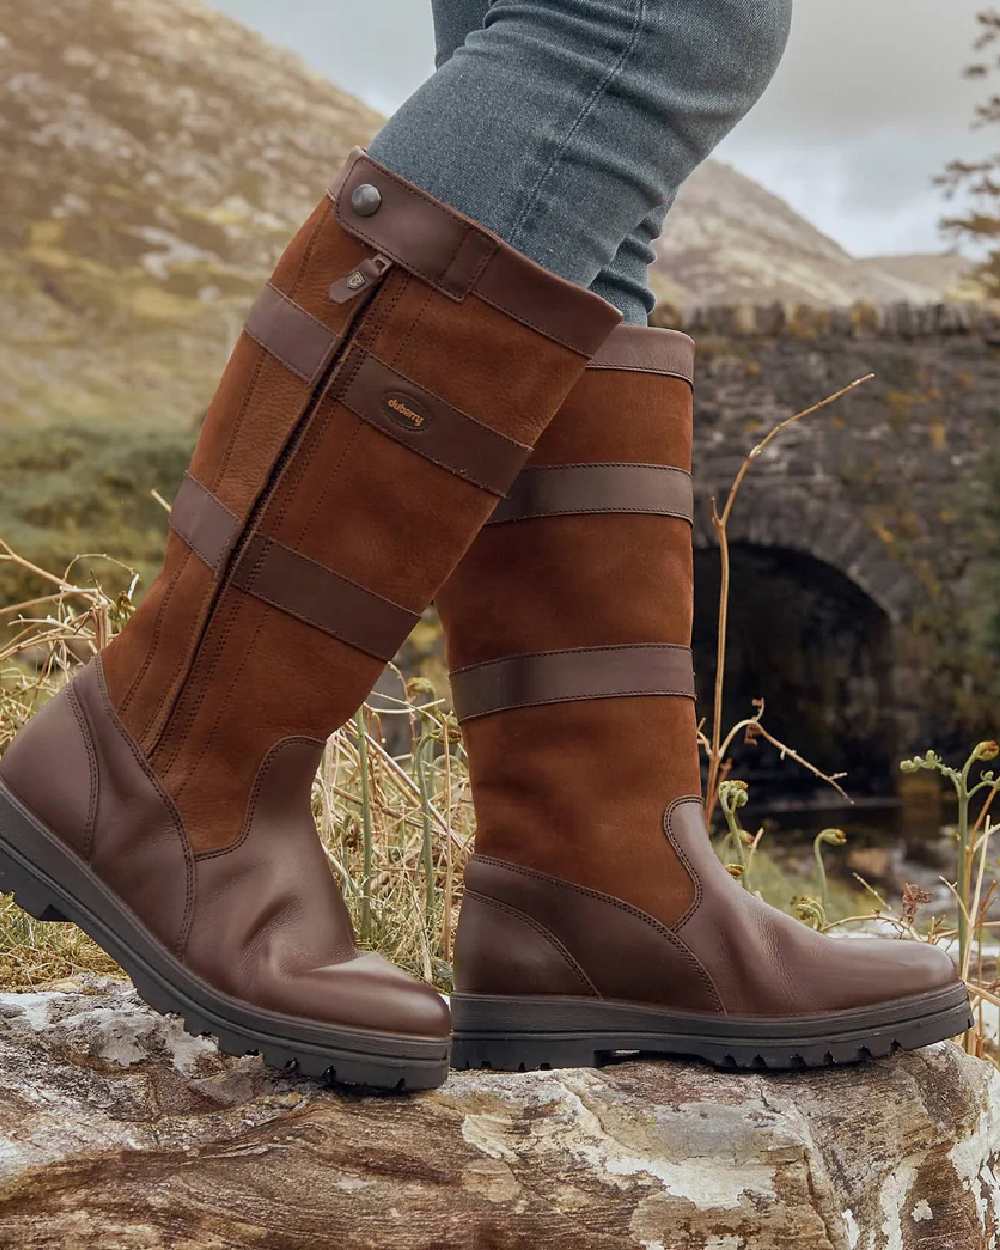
{"x":365,"y":276}
{"x":361,"y":284}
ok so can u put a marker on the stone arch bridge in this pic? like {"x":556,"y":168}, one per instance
{"x":865,"y":604}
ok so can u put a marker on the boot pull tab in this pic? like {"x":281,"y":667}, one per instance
{"x":367,"y":274}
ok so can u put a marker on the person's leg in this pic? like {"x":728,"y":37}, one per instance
{"x":596,"y":143}
{"x":454,"y":20}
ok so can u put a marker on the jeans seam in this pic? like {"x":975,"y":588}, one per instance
{"x":588,"y":107}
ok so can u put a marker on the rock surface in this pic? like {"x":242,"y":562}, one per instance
{"x":118,"y":1131}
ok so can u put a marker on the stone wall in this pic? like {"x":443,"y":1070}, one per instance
{"x":896,"y":488}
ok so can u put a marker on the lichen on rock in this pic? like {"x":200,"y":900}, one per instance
{"x":118,"y":1130}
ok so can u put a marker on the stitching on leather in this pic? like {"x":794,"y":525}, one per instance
{"x":440,"y":285}
{"x":343,"y":398}
{"x":185,"y":535}
{"x":328,"y":482}
{"x":95,"y":776}
{"x":496,"y":492}
{"x":609,"y":464}
{"x":400,"y":346}
{"x":305,"y":377}
{"x":307,"y":253}
{"x":308,"y":450}
{"x":480,"y":269}
{"x":354,"y":324}
{"x":359,"y":232}
{"x":379,"y":317}
{"x":254,"y":797}
{"x":538,"y":655}
{"x":584,"y":510}
{"x":167,"y":801}
{"x":323,"y":629}
{"x":524,"y":447}
{"x":699,"y":891}
{"x":200,"y":623}
{"x":372,"y":321}
{"x":596,"y":509}
{"x":545,"y":934}
{"x":232,"y":614}
{"x":582,"y":698}
{"x":662,"y":373}
{"x":271,"y":543}
{"x":157,"y":721}
{"x":230,"y":625}
{"x":532,"y":325}
{"x":621,"y":905}
{"x":681,"y":854}
{"x":298,"y":309}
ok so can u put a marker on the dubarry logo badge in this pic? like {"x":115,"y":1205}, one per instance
{"x":403,"y":410}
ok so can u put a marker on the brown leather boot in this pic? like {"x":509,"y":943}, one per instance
{"x":369,"y":419}
{"x":596,"y":916}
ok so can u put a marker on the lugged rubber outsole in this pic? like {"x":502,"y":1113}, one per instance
{"x":50,"y":882}
{"x":528,"y":1034}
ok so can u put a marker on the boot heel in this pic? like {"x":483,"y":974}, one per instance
{"x":29,"y":893}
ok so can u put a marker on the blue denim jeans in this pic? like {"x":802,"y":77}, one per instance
{"x":567,"y":126}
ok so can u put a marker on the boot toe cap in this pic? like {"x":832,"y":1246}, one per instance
{"x":371,"y":993}
{"x":867,"y":971}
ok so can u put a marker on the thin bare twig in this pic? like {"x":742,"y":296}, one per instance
{"x":720,"y":523}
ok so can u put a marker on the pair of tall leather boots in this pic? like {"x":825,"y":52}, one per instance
{"x":392,"y":382}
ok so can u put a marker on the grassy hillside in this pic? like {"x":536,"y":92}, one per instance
{"x":156,"y":156}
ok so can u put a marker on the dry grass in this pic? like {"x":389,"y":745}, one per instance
{"x":397,"y":829}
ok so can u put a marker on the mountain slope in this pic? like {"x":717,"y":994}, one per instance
{"x":728,"y":240}
{"x":156,"y":157}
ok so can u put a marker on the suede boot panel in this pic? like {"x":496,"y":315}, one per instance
{"x":573,"y":581}
{"x":577,"y":790}
{"x":628,"y":418}
{"x":257,"y":404}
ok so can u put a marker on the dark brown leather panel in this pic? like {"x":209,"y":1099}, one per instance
{"x":578,"y":489}
{"x":458,"y":257}
{"x":523,"y":290}
{"x":204,"y":522}
{"x":563,"y":676}
{"x":52,"y":769}
{"x":139,"y":845}
{"x":534,"y":960}
{"x":428,"y":426}
{"x":270,"y":926}
{"x":765,"y":963}
{"x":624,"y":953}
{"x":288,"y":332}
{"x":638,"y":349}
{"x":306,"y":590}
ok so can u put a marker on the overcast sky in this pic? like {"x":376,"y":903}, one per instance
{"x":867,"y":106}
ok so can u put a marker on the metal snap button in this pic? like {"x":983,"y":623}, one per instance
{"x":366,"y":199}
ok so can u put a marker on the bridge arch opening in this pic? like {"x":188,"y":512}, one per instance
{"x":819,"y":650}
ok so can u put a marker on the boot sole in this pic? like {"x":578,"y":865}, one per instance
{"x":511,"y":1034}
{"x":50,"y":882}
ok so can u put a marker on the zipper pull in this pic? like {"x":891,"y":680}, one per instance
{"x":371,"y":270}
